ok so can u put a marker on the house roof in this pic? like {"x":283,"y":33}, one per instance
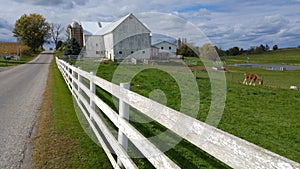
{"x":159,"y":42}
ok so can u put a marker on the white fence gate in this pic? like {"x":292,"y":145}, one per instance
{"x":231,"y":150}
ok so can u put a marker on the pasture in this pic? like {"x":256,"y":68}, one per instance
{"x":267,"y":115}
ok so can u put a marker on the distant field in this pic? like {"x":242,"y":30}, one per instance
{"x":282,"y":56}
{"x":11,"y":48}
{"x":272,"y":78}
{"x":14,"y":48}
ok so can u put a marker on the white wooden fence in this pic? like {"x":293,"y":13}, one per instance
{"x":233,"y":151}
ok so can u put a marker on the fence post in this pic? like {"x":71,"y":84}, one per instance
{"x":123,"y":114}
{"x":93,"y":91}
{"x":73,"y":80}
{"x":79,"y":81}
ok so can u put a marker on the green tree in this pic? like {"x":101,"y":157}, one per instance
{"x":59,"y":44}
{"x":32,"y":30}
{"x":275,"y":47}
{"x":72,"y":47}
{"x":233,"y":51}
{"x":186,"y":50}
{"x":220,"y":51}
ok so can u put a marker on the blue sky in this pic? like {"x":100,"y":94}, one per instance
{"x":225,"y":23}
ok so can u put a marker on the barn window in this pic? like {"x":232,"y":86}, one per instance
{"x":162,"y":48}
{"x":96,"y":44}
{"x":120,"y":52}
{"x":97,"y":52}
{"x":170,"y":48}
{"x":143,"y":51}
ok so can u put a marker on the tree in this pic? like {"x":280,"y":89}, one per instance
{"x":56,"y":30}
{"x":260,"y":49}
{"x":275,"y":47}
{"x":185,"y":50}
{"x":233,"y":51}
{"x":267,"y":47}
{"x":208,"y":51}
{"x":72,"y":47}
{"x":220,"y":51}
{"x":32,"y":30}
{"x":59,"y":44}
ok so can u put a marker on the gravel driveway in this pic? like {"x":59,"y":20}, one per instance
{"x":21,"y":91}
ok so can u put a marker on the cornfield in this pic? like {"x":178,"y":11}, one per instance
{"x":12,"y":48}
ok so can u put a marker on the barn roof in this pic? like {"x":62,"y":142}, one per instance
{"x":93,"y":28}
{"x":112,"y":26}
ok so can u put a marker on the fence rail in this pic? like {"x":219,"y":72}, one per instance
{"x":231,"y":150}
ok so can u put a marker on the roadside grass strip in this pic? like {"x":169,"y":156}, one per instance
{"x":60,"y":141}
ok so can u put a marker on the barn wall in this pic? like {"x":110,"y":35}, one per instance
{"x":130,"y":46}
{"x":109,"y":51}
{"x":94,"y":46}
{"x":131,"y":26}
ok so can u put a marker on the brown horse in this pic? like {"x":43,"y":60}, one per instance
{"x":253,"y":79}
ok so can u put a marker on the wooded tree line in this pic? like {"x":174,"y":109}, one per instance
{"x":239,"y":51}
{"x":209,"y":51}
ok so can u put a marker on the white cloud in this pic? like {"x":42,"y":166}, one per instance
{"x":55,"y":3}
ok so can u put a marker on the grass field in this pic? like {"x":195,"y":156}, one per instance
{"x":264,"y":115}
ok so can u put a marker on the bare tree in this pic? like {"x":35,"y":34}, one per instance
{"x":56,"y":30}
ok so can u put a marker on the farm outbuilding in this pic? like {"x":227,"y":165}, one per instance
{"x":164,"y":50}
{"x":126,"y":37}
{"x":166,"y":46}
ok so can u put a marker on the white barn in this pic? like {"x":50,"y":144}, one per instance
{"x":123,"y":39}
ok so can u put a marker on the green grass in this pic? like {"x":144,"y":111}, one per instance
{"x":60,"y":141}
{"x":184,"y":154}
{"x":26,"y":57}
{"x":264,"y":115}
{"x":282,"y":56}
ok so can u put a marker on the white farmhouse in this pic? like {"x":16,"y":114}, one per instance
{"x":119,"y":40}
{"x":166,"y":46}
{"x":163,"y":50}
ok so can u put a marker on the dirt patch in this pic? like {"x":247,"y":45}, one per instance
{"x":197,"y":67}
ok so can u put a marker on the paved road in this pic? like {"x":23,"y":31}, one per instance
{"x":21,"y":91}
